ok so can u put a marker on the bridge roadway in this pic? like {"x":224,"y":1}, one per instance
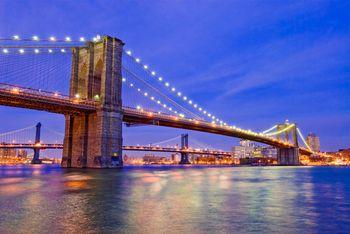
{"x":53,"y":102}
{"x":129,"y":148}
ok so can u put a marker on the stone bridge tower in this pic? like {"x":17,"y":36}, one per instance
{"x":288,"y":156}
{"x":94,"y":140}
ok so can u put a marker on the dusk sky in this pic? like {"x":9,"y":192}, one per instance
{"x":253,"y":63}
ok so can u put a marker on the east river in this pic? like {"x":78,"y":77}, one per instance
{"x":42,"y":199}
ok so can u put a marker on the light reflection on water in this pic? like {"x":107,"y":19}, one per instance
{"x":175,"y":199}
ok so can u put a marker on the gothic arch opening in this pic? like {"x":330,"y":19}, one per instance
{"x":82,"y":80}
{"x":96,"y":82}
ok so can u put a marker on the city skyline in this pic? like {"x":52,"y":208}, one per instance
{"x":258,"y":72}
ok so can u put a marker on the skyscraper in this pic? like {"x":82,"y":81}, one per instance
{"x":313,"y":141}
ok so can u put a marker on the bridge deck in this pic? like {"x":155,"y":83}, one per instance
{"x":128,"y":148}
{"x":52,"y":102}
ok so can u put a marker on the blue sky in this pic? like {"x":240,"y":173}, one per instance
{"x":253,"y":63}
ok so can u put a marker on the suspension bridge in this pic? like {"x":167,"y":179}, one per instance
{"x":97,"y":85}
{"x":22,"y":139}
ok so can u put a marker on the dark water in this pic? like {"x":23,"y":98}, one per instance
{"x":175,"y":200}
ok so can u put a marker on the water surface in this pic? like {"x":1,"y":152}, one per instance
{"x":187,"y":199}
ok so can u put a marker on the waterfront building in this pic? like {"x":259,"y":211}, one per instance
{"x":269,"y":152}
{"x":313,"y":141}
{"x":22,"y":153}
{"x":9,"y":153}
{"x":244,"y":150}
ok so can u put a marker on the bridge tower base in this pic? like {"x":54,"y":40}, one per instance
{"x":184,"y":145}
{"x":288,"y":156}
{"x":94,"y":140}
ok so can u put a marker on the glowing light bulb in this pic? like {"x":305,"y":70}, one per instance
{"x":128,"y":52}
{"x":138,"y":107}
{"x":131,"y":85}
{"x":123,"y":79}
{"x":146,"y":94}
{"x":185,"y":98}
{"x":21,"y":51}
{"x":82,"y":39}
{"x":153,"y":73}
{"x":190,"y":102}
{"x":50,"y":50}
{"x":179,"y":94}
{"x":68,"y":39}
{"x":145,"y":67}
{"x":160,"y":78}
{"x":63,"y":50}
{"x":5,"y":51}
{"x":137,"y":60}
{"x":16,"y":37}
{"x":167,"y":84}
{"x":36,"y":51}
{"x":35,"y":38}
{"x":173,"y":89}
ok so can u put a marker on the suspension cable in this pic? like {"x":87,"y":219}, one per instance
{"x":303,"y":139}
{"x":280,"y":131}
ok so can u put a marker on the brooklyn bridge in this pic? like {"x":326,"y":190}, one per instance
{"x":107,"y":86}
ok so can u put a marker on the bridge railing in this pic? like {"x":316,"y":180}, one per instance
{"x":54,"y":96}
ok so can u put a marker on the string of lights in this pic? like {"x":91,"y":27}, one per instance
{"x":173,"y":89}
{"x":54,"y":44}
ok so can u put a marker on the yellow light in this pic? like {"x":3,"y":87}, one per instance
{"x":15,"y":90}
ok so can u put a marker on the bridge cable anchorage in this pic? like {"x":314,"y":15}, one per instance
{"x":157,"y":91}
{"x":173,"y":89}
{"x":303,"y":139}
{"x":281,"y":131}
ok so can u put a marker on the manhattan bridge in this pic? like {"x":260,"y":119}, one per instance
{"x":98,"y":85}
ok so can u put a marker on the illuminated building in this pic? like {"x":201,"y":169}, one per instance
{"x":269,"y":152}
{"x":7,"y":152}
{"x":22,"y":153}
{"x":313,"y":141}
{"x":244,"y":150}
